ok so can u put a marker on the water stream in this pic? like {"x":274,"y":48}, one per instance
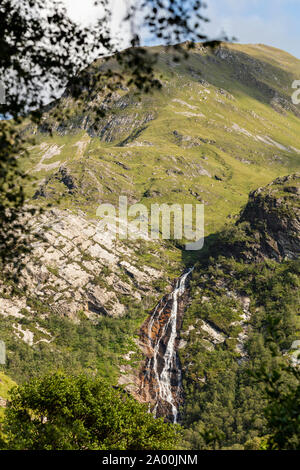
{"x":163,"y":365}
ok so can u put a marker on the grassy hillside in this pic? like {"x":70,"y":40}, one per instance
{"x":222,"y":125}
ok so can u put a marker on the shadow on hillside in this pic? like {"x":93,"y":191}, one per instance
{"x":190,"y":257}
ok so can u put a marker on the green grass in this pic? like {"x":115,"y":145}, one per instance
{"x":6,"y":384}
{"x":242,"y":161}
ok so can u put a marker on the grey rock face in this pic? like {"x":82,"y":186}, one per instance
{"x":76,"y":269}
{"x":273,"y":212}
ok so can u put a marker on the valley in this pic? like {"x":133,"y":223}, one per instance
{"x":177,"y":329}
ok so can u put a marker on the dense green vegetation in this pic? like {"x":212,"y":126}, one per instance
{"x":226,"y":395}
{"x":282,"y":389}
{"x":93,"y":347}
{"x":60,"y":412}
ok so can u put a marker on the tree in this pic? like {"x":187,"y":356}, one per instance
{"x":61,"y":412}
{"x":282,"y":390}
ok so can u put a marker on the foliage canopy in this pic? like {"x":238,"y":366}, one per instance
{"x":61,"y":412}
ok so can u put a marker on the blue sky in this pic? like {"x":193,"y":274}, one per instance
{"x":271,"y":22}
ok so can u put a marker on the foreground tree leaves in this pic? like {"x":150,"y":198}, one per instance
{"x":282,"y":391}
{"x":61,"y":412}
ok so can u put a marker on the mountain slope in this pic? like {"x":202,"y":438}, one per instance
{"x":211,"y":132}
{"x":222,"y":125}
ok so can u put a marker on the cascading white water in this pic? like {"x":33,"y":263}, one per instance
{"x":164,"y":390}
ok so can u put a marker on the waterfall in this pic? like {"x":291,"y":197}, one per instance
{"x":164,"y":366}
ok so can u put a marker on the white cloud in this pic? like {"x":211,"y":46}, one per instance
{"x":86,"y":13}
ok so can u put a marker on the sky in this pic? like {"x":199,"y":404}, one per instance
{"x":271,"y":22}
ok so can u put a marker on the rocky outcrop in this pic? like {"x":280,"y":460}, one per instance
{"x":273,"y":213}
{"x":64,"y":176}
{"x":76,"y":269}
